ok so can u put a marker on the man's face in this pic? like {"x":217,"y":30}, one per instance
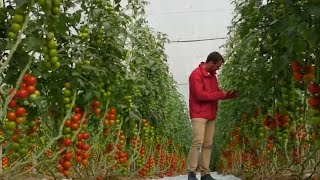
{"x":215,"y":66}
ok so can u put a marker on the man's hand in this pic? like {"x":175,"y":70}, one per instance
{"x":232,"y":94}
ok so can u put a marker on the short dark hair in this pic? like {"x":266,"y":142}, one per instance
{"x":214,"y":57}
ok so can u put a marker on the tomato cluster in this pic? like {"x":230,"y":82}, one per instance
{"x":53,"y":5}
{"x":277,"y":120}
{"x":5,"y":162}
{"x":27,"y":90}
{"x":95,"y":107}
{"x":99,"y":36}
{"x":110,"y":117}
{"x":314,"y":100}
{"x":22,"y":131}
{"x":50,"y":53}
{"x":67,"y":95}
{"x":18,"y":19}
{"x":81,"y":151}
{"x":84,"y":32}
{"x":65,"y":163}
{"x":301,"y":72}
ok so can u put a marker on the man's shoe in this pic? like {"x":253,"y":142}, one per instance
{"x":192,"y":176}
{"x":207,"y":177}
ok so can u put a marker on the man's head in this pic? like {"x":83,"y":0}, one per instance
{"x":214,"y":62}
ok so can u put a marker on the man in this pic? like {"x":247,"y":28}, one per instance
{"x":203,"y":107}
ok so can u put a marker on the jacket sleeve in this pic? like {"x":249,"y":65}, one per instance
{"x":196,"y":88}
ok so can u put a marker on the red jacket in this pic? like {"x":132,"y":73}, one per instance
{"x":204,"y":94}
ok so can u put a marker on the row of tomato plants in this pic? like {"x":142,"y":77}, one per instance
{"x":92,"y":141}
{"x":284,"y":139}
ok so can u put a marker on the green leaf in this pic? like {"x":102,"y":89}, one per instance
{"x":62,"y":26}
{"x":20,"y":2}
{"x":314,"y":10}
{"x":33,"y":43}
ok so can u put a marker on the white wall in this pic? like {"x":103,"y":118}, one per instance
{"x":190,"y":20}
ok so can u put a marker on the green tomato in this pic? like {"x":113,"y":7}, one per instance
{"x":68,"y":136}
{"x":52,"y":44}
{"x":12,"y":35}
{"x":42,"y":2}
{"x":66,"y":130}
{"x":53,"y":52}
{"x":55,"y":2}
{"x":67,"y":93}
{"x":66,"y":100}
{"x":55,"y":10}
{"x":56,"y":65}
{"x":67,"y":85}
{"x":15,"y":27}
{"x":85,"y":127}
{"x":33,"y":97}
{"x":67,"y":106}
{"x":50,"y":36}
{"x":54,"y":60}
{"x":37,"y":93}
{"x":17,"y":18}
{"x":11,"y":125}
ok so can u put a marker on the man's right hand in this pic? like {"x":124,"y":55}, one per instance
{"x":232,"y":94}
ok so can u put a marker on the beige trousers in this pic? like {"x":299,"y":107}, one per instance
{"x":203,"y":131}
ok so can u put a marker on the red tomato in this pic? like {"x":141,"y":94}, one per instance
{"x":80,"y":136}
{"x":67,"y":156}
{"x":22,"y":93}
{"x":85,"y":162}
{"x":67,"y":165}
{"x":12,"y":103}
{"x":75,"y":126}
{"x":31,"y":80}
{"x":124,"y":155}
{"x":20,"y":111}
{"x":23,"y":85}
{"x":78,"y":152}
{"x":86,"y":135}
{"x":118,"y":152}
{"x":96,"y":111}
{"x":119,"y":146}
{"x":85,"y":147}
{"x":95,"y":104}
{"x":110,"y":147}
{"x":67,"y":142}
{"x":31,"y":89}
{"x":60,"y":169}
{"x":112,"y":111}
{"x":11,"y":116}
{"x":85,"y":155}
{"x":66,"y":173}
{"x":112,"y":117}
{"x":79,"y":144}
{"x":78,"y":159}
{"x":68,"y":123}
{"x":25,"y":77}
{"x":77,"y":110}
{"x":61,"y":161}
{"x":76,"y":118}
{"x":122,"y":160}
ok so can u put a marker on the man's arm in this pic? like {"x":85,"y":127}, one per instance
{"x":196,"y":85}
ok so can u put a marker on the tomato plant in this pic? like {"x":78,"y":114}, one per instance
{"x":82,"y":91}
{"x":273,"y":60}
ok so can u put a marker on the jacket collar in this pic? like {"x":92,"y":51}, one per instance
{"x":203,"y":71}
